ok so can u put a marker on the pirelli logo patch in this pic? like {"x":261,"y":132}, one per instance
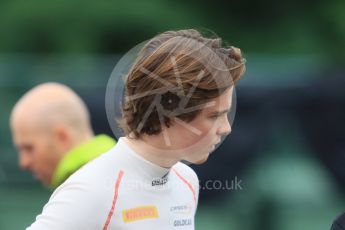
{"x":139,"y":213}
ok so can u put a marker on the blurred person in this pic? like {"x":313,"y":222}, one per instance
{"x":52,"y":132}
{"x":178,"y":94}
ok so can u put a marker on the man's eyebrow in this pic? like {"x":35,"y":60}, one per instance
{"x":220,"y":112}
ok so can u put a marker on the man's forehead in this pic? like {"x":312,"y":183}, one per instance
{"x":23,"y":132}
{"x":29,"y":122}
{"x":220,"y":104}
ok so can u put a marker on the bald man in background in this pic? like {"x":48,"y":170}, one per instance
{"x":52,"y":132}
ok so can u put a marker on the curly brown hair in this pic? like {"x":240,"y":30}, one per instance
{"x":175,"y":74}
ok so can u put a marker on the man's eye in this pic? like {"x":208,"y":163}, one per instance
{"x":214,"y":117}
{"x":27,"y":148}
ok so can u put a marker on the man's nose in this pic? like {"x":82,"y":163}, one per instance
{"x":24,"y":161}
{"x":224,"y":128}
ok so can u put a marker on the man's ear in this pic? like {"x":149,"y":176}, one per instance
{"x":62,"y":136}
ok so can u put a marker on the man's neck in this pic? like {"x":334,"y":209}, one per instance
{"x":161,"y":157}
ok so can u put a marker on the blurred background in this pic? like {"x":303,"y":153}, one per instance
{"x":287,"y":147}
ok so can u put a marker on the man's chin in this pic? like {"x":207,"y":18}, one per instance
{"x":45,"y":183}
{"x":201,"y":161}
